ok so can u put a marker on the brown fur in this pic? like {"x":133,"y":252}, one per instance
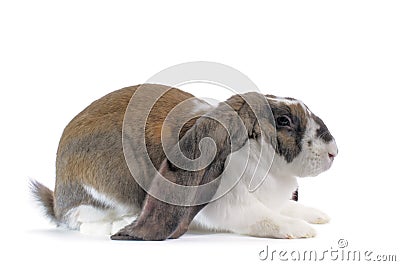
{"x":90,"y":149}
{"x":289,"y":141}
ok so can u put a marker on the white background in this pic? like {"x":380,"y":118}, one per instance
{"x":342,"y":58}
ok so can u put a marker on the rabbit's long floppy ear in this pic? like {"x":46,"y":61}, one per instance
{"x":188,"y":178}
{"x":158,"y":219}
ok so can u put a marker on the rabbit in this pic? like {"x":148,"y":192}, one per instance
{"x":255,"y":136}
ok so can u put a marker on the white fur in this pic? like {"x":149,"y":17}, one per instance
{"x":296,"y":210}
{"x":282,"y":100}
{"x":200,"y":106}
{"x":117,"y":208}
{"x":92,"y":220}
{"x":258,"y":213}
{"x":107,"y":227}
{"x":87,"y":214}
{"x":313,"y":159}
{"x":101,"y":228}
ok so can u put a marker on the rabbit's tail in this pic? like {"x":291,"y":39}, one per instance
{"x":45,"y":197}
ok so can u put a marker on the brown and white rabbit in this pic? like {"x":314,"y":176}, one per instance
{"x":96,"y":193}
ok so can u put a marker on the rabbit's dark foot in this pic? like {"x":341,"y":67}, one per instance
{"x":134,"y":232}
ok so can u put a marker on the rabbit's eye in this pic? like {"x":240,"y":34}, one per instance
{"x":283,"y":121}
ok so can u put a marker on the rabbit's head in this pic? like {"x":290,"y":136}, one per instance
{"x":304,"y":145}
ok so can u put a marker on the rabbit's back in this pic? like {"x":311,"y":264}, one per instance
{"x":91,"y":168}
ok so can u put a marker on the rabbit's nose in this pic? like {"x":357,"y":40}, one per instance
{"x":332,"y":149}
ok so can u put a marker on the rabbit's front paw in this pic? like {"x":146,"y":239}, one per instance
{"x":295,"y":228}
{"x":315,"y":216}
